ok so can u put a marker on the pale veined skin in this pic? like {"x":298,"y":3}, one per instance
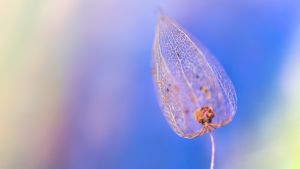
{"x":195,"y":94}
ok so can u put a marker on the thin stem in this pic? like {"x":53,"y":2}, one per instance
{"x":212,"y":162}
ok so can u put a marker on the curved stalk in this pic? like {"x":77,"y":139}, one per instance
{"x":212,"y":162}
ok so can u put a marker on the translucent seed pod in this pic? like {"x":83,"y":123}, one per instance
{"x":190,"y":82}
{"x":195,"y":94}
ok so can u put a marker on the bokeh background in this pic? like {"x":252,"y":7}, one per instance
{"x":76,"y":89}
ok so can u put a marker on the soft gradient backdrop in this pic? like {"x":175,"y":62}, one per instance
{"x":76,"y":89}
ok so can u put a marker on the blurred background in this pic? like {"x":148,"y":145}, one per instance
{"x":76,"y":90}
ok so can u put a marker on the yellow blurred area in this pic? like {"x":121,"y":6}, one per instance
{"x":31,"y":63}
